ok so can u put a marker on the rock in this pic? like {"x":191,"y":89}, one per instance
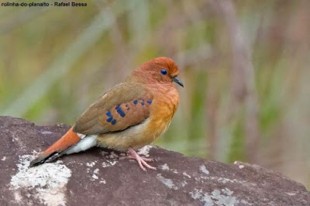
{"x":101,"y":177}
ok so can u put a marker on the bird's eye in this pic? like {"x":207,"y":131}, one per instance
{"x":163,"y":71}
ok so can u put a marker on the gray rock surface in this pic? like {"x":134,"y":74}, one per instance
{"x":101,"y":177}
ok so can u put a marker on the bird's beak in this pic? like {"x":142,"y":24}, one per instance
{"x":179,"y":82}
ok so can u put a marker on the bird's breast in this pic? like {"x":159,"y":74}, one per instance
{"x":162,"y":111}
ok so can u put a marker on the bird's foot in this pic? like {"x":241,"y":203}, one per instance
{"x":142,"y":161}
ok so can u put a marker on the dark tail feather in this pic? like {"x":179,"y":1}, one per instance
{"x":44,"y":159}
{"x":56,"y":150}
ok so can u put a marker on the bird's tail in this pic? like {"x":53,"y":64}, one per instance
{"x":56,"y":150}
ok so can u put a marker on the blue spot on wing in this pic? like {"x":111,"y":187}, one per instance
{"x":109,"y":119}
{"x":109,"y":116}
{"x":149,"y":101}
{"x":135,"y":101}
{"x":113,"y":122}
{"x":120,"y":111}
{"x":108,"y":113}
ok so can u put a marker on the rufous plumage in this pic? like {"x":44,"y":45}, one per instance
{"x":127,"y":117}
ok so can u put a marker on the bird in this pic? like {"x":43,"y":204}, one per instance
{"x":130,"y":115}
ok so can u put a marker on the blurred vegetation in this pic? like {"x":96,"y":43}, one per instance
{"x":244,"y":64}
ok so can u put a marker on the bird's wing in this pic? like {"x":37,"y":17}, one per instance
{"x":125,"y":105}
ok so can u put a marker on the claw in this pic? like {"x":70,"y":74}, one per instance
{"x":142,"y":161}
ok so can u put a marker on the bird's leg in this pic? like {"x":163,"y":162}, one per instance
{"x":142,"y":161}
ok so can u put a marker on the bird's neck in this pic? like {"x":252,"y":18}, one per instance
{"x":140,"y":77}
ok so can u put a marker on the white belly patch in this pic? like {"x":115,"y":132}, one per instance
{"x":85,"y":143}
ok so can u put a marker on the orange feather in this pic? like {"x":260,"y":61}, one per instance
{"x":67,"y":140}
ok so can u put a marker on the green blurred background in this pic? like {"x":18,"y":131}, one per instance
{"x":245,"y":65}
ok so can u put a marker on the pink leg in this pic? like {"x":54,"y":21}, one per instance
{"x":142,"y":161}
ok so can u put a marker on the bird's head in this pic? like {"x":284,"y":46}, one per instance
{"x":159,"y":70}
